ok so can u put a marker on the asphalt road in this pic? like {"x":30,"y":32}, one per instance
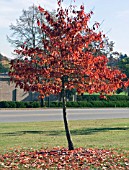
{"x":56,"y":114}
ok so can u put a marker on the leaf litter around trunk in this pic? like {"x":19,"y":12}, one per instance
{"x":64,"y":159}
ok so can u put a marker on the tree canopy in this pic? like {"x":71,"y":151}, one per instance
{"x":67,"y":52}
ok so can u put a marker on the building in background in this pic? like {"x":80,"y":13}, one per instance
{"x":8,"y":92}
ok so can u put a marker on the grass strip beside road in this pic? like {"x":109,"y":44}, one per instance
{"x":111,"y":133}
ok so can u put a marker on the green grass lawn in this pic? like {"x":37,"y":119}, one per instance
{"x":113,"y":133}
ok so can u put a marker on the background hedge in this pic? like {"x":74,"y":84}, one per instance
{"x":87,"y":104}
{"x":82,"y":101}
{"x":12,"y":104}
{"x":97,"y":98}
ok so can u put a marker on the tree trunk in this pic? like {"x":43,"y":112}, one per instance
{"x":42,"y":103}
{"x":128,"y":91}
{"x":70,"y":144}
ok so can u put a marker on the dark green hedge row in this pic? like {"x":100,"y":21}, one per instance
{"x":12,"y":104}
{"x":5,"y":104}
{"x":97,"y":98}
{"x":91,"y":104}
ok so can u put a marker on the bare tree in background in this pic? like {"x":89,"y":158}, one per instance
{"x":26,"y":30}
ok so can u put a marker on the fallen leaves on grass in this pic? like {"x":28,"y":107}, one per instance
{"x":62,"y":158}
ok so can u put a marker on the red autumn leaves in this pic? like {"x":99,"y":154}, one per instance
{"x":70,"y":48}
{"x":57,"y":158}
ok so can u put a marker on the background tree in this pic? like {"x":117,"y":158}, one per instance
{"x":121,"y":61}
{"x":123,"y":64}
{"x":3,"y":69}
{"x":26,"y":31}
{"x":67,"y":61}
{"x":4,"y":64}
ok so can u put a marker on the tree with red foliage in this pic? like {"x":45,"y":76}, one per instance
{"x":71,"y":58}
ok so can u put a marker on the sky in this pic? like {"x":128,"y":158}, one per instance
{"x":113,"y":14}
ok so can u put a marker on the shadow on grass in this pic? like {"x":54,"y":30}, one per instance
{"x":90,"y":131}
{"x":84,"y":131}
{"x":20,"y":133}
